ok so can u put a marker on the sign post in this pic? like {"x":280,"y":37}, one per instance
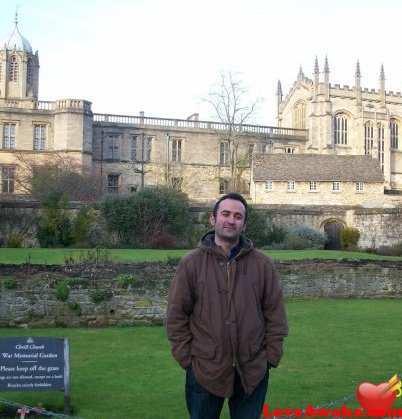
{"x":35,"y":364}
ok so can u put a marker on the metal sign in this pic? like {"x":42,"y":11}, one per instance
{"x":35,"y":364}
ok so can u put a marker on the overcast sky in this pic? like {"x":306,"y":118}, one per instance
{"x":163,"y":56}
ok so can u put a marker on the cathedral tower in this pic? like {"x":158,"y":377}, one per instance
{"x":19,"y":68}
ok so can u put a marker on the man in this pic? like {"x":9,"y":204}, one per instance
{"x":226,"y":319}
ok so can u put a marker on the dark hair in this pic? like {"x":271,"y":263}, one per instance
{"x":236,"y":197}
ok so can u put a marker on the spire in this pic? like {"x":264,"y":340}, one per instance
{"x":301,"y":74}
{"x":279,"y":89}
{"x":326,"y":66}
{"x":316,"y":68}
{"x":358,"y":74}
{"x":382,"y":74}
{"x":357,"y":85}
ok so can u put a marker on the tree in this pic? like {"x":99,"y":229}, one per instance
{"x":233,"y":109}
{"x":57,"y":175}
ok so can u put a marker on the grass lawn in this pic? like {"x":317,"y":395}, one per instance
{"x":333,"y":346}
{"x":59,"y":256}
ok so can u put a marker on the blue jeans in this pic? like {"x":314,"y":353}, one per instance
{"x":203,"y":405}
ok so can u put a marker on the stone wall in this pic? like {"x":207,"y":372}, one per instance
{"x":123,"y":295}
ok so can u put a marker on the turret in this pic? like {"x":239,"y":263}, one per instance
{"x":358,"y":88}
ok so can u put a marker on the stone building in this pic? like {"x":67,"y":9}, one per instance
{"x":129,"y":152}
{"x":347,"y":120}
{"x":297,"y":179}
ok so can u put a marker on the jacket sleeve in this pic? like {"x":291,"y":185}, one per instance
{"x":276,"y":327}
{"x":180,"y":307}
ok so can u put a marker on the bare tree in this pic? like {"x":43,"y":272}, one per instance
{"x":232,"y":108}
{"x":55,"y":174}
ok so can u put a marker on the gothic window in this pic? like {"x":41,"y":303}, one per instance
{"x":113,"y":183}
{"x":299,"y":115}
{"x":368,"y":137}
{"x":223,"y":153}
{"x":113,"y":147}
{"x":289,"y":150}
{"x":9,"y":136}
{"x":340,"y":129}
{"x":394,"y":128}
{"x":176,"y":149}
{"x":381,"y":145}
{"x":7,"y":179}
{"x":29,"y":71}
{"x":13,"y":69}
{"x":39,"y":137}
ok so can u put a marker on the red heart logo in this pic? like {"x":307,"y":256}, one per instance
{"x":378,"y":397}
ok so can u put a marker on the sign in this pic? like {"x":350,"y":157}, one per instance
{"x":34,"y":364}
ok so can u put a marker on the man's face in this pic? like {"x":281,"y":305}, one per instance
{"x":230,"y":221}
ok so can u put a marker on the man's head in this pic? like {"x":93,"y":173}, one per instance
{"x":228,"y":218}
{"x":234,"y":196}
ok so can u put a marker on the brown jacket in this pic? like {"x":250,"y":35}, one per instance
{"x":225,"y":315}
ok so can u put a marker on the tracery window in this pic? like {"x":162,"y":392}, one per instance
{"x":368,"y":137}
{"x":299,"y":115}
{"x":381,"y":145}
{"x":340,"y":129}
{"x":13,"y":69}
{"x":394,"y":128}
{"x":29,"y":71}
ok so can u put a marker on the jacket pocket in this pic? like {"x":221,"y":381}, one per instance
{"x":205,"y":351}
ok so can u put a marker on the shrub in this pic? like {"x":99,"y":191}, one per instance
{"x":62,"y":291}
{"x":81,"y":225}
{"x":138,"y":217}
{"x":395,"y":250}
{"x":99,"y":296}
{"x":305,"y":237}
{"x":349,"y":237}
{"x":256,"y":228}
{"x":276,"y":233}
{"x":14,"y":240}
{"x":163,"y":240}
{"x":127,"y":279}
{"x":9,"y":283}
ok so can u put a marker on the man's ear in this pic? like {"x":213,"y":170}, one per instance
{"x":212,"y":220}
{"x":244,"y":227}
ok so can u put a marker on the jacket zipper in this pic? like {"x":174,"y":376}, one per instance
{"x":234,"y":358}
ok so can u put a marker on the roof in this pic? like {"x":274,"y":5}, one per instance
{"x":316,"y":167}
{"x":16,"y":40}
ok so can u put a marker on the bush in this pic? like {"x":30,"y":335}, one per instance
{"x":81,"y":225}
{"x":305,"y":237}
{"x":395,"y":250}
{"x":139,"y":218}
{"x":349,"y":237}
{"x":276,"y":234}
{"x":9,"y":283}
{"x":164,"y":240}
{"x":62,"y":291}
{"x":256,"y":228}
{"x":14,"y":240}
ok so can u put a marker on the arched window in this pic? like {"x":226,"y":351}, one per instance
{"x":340,"y":129}
{"x":29,"y":71}
{"x":381,"y":144}
{"x":368,"y":137}
{"x":299,"y":115}
{"x":394,"y":128}
{"x":13,"y":69}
